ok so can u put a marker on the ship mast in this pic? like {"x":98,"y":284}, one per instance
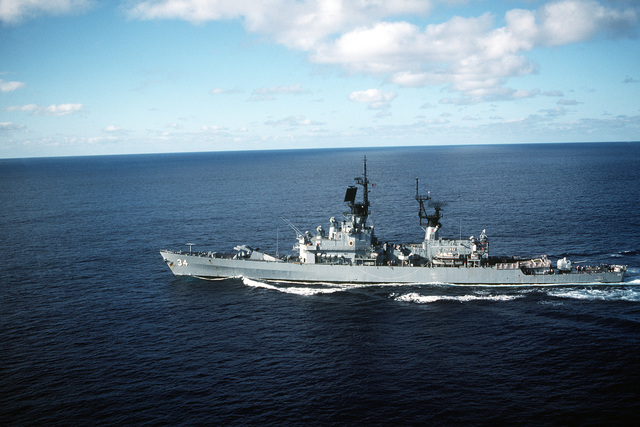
{"x":433,"y":220}
{"x":359,"y":211}
{"x":365,"y":186}
{"x":421,"y":198}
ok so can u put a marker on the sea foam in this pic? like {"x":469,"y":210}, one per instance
{"x":426,"y":299}
{"x":298,"y":290}
{"x":598,"y":294}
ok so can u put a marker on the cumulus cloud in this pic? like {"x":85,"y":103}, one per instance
{"x":51,"y":110}
{"x":10,"y":86}
{"x":299,"y":24}
{"x":470,"y":55}
{"x":376,"y":98}
{"x":573,"y":21}
{"x":17,"y":11}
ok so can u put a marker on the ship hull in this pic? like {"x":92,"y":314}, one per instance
{"x":205,"y":266}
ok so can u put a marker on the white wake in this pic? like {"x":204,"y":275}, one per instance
{"x":427,"y":299}
{"x":598,"y":294}
{"x":298,"y":290}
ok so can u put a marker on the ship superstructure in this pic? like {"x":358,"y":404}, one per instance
{"x":349,"y":252}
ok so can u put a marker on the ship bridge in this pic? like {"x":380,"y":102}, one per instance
{"x":349,"y":240}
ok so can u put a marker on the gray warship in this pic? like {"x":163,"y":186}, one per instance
{"x":349,"y":252}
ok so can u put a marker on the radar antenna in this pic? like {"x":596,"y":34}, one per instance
{"x":421,"y":198}
{"x":359,"y":209}
{"x":433,"y":220}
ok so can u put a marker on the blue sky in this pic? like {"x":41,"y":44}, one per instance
{"x":83,"y":77}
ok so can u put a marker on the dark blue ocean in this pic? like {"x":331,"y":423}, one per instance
{"x":94,"y":328}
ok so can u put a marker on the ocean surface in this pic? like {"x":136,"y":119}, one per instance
{"x":94,"y":328}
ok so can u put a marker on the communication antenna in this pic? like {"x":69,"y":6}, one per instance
{"x":190,"y":246}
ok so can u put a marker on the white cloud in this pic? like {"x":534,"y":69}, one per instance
{"x":10,"y":126}
{"x":294,"y":23}
{"x":376,"y":98}
{"x":269,"y":93}
{"x":28,"y":107}
{"x":17,"y":11}
{"x":51,"y":110}
{"x":61,"y":109}
{"x":571,"y":21}
{"x":10,"y":86}
{"x":214,"y":128}
{"x":293,"y":121}
{"x":470,"y":55}
{"x":115,"y":130}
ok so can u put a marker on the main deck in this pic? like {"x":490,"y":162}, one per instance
{"x":216,"y":265}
